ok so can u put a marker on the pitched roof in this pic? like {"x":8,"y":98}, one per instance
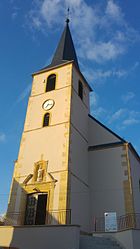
{"x":109,"y":130}
{"x":65,"y":50}
{"x":65,"y":53}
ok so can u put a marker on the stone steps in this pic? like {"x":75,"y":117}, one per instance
{"x":93,"y":242}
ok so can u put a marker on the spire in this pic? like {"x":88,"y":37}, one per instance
{"x":65,"y":50}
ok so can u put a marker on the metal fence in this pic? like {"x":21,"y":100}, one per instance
{"x":53,"y":217}
{"x":129,"y":221}
{"x":58,"y":217}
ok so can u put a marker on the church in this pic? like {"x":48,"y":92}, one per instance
{"x":71,"y":169}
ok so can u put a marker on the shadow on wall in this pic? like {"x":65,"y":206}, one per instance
{"x":16,"y":206}
{"x":31,"y":208}
{"x":8,"y":247}
{"x":42,"y":237}
{"x":26,"y":215}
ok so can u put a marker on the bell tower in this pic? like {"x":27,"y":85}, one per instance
{"x":52,"y":164}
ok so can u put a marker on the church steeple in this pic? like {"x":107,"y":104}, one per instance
{"x":65,"y":53}
{"x":65,"y":50}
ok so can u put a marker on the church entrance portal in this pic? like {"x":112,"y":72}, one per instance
{"x":36,"y":209}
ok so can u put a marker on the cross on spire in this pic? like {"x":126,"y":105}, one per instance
{"x":68,"y":15}
{"x":65,"y":50}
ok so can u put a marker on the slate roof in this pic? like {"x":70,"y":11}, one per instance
{"x":122,"y":141}
{"x":65,"y":50}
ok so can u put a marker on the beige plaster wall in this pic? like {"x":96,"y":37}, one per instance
{"x":52,"y":140}
{"x":63,"y":74}
{"x":106,"y":181}
{"x":51,"y":143}
{"x":79,"y":115}
{"x":78,"y":155}
{"x":135,"y":176}
{"x":75,"y":80}
{"x":58,"y":114}
{"x":79,"y":203}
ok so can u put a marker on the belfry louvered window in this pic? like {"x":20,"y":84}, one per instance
{"x":80,"y":90}
{"x":51,"y":83}
{"x":46,"y":119}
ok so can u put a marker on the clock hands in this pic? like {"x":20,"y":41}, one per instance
{"x":48,"y":104}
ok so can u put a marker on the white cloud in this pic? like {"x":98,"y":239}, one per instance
{"x":117,"y":115}
{"x":96,"y":110}
{"x":128,"y":96}
{"x":124,"y":117}
{"x":130,"y":121}
{"x":15,"y":10}
{"x":101,"y":32}
{"x":36,"y":22}
{"x":99,"y":112}
{"x":94,"y":98}
{"x":102,"y":51}
{"x":2,"y":137}
{"x":93,"y":75}
{"x":114,"y":11}
{"x":99,"y":74}
{"x":121,"y":118}
{"x":51,"y":11}
{"x":24,"y":94}
{"x":136,"y":65}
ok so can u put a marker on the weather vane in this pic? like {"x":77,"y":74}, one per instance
{"x":68,"y":15}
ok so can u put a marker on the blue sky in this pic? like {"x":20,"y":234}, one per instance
{"x":106,"y":34}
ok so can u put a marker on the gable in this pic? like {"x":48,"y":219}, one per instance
{"x":100,"y":134}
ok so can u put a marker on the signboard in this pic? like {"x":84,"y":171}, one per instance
{"x":110,"y":222}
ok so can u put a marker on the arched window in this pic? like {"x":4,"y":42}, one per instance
{"x":51,"y":83}
{"x":46,"y":119}
{"x":80,"y":90}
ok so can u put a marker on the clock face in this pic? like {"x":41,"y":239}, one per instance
{"x":48,"y":104}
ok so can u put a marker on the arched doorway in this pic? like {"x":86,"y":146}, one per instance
{"x":36,"y":209}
